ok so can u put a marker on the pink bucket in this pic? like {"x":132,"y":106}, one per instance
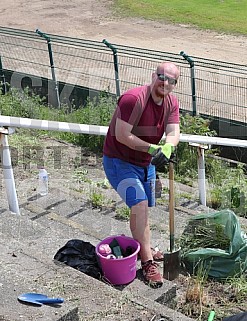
{"x":123,"y":270}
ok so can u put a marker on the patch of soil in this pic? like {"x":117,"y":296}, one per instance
{"x":196,"y":300}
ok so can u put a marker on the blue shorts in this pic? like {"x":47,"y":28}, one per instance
{"x":134,"y":184}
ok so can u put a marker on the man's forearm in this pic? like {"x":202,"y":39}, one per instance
{"x":134,"y":142}
{"x":173,"y":135}
{"x":174,"y":140}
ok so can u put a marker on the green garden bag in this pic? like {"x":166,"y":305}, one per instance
{"x":219,"y":263}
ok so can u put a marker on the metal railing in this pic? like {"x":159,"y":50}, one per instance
{"x":7,"y":124}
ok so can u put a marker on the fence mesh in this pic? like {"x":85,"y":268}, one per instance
{"x":220,"y":87}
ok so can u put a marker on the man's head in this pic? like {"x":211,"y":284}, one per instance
{"x":164,"y":80}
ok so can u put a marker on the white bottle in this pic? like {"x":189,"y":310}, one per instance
{"x":43,"y":182}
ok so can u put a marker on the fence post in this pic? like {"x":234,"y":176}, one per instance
{"x":115,"y":60}
{"x":43,"y":35}
{"x":8,"y":171}
{"x":2,"y":76}
{"x":193,"y":83}
{"x":201,"y":172}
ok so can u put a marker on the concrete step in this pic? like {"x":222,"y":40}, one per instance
{"x":47,"y":223}
{"x":26,"y":266}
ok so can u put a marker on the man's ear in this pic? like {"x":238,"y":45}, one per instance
{"x":154,"y":75}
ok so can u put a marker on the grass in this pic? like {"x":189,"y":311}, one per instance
{"x":238,"y":286}
{"x":227,"y":16}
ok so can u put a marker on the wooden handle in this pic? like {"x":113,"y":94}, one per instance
{"x":171,"y":205}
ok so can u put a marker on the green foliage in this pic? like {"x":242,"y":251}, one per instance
{"x":19,"y":103}
{"x":229,"y":189}
{"x":204,"y":234}
{"x":227,"y":185}
{"x":195,"y":125}
{"x":95,"y":112}
{"x":97,"y":200}
{"x":237,"y":286}
{"x":80,"y":176}
{"x":186,"y":167}
{"x":104,"y":184}
{"x":123,"y":213}
{"x":220,"y":15}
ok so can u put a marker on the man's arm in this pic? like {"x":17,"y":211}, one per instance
{"x":172,"y":134}
{"x":125,"y":137}
{"x":162,"y":153}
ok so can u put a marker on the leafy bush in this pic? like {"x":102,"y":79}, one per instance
{"x":96,"y":112}
{"x":187,"y":155}
{"x":229,"y":190}
{"x":18,"y":103}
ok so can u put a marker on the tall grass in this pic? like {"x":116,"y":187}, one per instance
{"x":221,"y":15}
{"x":18,"y":103}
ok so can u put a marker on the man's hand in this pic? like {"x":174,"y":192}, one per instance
{"x":161,"y":154}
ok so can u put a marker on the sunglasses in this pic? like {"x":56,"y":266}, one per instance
{"x":171,"y":81}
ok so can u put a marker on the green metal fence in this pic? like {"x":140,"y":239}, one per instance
{"x":206,"y":87}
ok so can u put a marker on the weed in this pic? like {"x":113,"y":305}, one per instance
{"x":196,"y":293}
{"x":104,"y":184}
{"x":123,"y":213}
{"x":163,"y":200}
{"x":97,"y":200}
{"x":80,"y":176}
{"x":237,"y":285}
{"x":229,"y":189}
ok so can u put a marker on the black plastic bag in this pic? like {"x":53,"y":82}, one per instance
{"x":81,"y":256}
{"x":237,"y":317}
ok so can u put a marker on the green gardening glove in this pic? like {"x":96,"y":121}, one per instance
{"x":161,"y":154}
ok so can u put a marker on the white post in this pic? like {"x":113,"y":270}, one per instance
{"x":201,"y":175}
{"x":8,"y":173}
{"x":201,"y":172}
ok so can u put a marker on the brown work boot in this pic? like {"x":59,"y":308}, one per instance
{"x":151,"y":273}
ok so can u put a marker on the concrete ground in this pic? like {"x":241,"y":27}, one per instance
{"x":29,"y":242}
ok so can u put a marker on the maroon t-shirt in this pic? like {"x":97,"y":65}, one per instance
{"x":149,"y":120}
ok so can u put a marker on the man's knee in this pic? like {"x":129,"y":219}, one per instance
{"x":140,"y":206}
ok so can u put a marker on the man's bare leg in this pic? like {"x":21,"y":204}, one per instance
{"x":139,"y":226}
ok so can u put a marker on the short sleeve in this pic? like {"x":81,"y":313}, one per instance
{"x":129,"y":109}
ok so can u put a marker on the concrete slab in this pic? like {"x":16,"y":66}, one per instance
{"x":29,"y":242}
{"x":85,"y":298}
{"x":20,"y":273}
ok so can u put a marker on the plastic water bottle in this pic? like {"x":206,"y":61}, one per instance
{"x":43,"y":182}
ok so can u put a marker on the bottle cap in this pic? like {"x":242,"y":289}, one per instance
{"x":111,"y":257}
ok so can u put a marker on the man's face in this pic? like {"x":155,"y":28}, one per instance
{"x":164,"y":81}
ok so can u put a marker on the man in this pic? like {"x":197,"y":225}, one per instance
{"x":141,"y":118}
